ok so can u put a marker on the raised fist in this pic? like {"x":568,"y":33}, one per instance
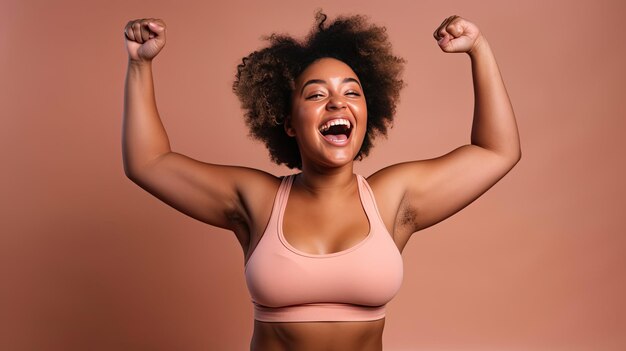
{"x":144,"y":38}
{"x":456,"y":34}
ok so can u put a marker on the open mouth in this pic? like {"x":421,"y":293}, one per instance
{"x":336,"y":130}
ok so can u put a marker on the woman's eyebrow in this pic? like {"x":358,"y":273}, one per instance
{"x":321,"y":81}
{"x":312,"y":81}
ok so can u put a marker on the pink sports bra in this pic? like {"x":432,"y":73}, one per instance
{"x":288,"y":285}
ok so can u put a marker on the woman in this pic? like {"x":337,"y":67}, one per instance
{"x":322,"y":247}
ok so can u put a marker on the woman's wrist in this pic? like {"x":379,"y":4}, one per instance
{"x":139,"y":64}
{"x":480,"y":48}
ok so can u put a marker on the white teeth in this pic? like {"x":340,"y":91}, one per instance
{"x":334,"y":122}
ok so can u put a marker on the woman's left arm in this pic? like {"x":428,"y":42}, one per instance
{"x":432,"y":190}
{"x":494,"y":126}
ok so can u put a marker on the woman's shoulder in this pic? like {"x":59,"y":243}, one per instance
{"x":256,"y":181}
{"x":390,"y":184}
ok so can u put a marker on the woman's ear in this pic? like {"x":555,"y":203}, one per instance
{"x":288,"y":128}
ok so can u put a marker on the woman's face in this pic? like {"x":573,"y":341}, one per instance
{"x":329,"y":114}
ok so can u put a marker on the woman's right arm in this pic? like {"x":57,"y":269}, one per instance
{"x":213,"y":194}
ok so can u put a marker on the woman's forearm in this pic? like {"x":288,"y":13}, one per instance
{"x":494,"y":127}
{"x":143,"y":137}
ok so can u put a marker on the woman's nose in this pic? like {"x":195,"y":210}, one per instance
{"x":335,"y":102}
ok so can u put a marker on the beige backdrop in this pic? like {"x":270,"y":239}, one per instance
{"x":89,"y":261}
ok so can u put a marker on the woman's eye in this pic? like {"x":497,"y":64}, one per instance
{"x":314,"y":96}
{"x":353,"y":93}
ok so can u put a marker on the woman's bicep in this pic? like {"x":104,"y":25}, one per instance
{"x":436,"y":189}
{"x":206,"y":192}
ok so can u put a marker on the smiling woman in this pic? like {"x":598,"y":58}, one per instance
{"x":322,"y":247}
{"x":266,"y":79}
{"x":337,"y":128}
{"x":328,"y":108}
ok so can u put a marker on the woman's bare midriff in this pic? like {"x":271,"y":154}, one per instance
{"x":316,"y":336}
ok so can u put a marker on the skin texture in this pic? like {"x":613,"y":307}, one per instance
{"x":410,"y":196}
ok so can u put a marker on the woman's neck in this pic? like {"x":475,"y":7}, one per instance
{"x":318,"y":181}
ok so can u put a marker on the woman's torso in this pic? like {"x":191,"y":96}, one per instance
{"x":325,"y":231}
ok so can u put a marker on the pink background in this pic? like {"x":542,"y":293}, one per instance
{"x":89,"y":261}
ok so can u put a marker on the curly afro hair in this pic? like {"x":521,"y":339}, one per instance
{"x":265,"y":80}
